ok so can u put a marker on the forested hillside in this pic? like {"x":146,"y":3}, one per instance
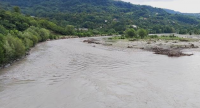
{"x":106,"y":16}
{"x":18,"y":33}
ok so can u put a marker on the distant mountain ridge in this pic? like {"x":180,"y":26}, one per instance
{"x":177,"y":12}
{"x":78,"y":5}
{"x":172,"y":11}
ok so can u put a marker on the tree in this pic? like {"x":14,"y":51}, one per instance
{"x":196,"y":31}
{"x":8,"y":51}
{"x":70,"y":29}
{"x":130,"y":33}
{"x":142,"y":33}
{"x":1,"y":53}
{"x":183,"y":31}
{"x":3,"y":30}
{"x":44,"y":34}
{"x":16,"y":9}
{"x":111,"y":31}
{"x":18,"y":47}
{"x":30,"y":36}
{"x":14,"y":46}
{"x":190,"y":32}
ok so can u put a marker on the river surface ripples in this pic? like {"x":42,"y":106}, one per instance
{"x":72,"y":74}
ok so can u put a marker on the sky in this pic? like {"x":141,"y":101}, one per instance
{"x":185,"y":6}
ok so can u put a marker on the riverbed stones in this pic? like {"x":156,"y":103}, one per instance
{"x":7,"y":65}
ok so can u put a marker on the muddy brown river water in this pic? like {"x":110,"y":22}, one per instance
{"x":72,"y":74}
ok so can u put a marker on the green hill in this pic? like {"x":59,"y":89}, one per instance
{"x":107,"y":16}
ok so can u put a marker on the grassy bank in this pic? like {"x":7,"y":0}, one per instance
{"x":153,"y":37}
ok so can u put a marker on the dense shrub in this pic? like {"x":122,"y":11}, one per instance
{"x":142,"y":33}
{"x":130,"y":33}
{"x":15,"y":44}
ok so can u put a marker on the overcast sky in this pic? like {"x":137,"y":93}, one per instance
{"x":186,"y":6}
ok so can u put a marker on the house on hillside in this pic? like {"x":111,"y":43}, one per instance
{"x":115,"y":19}
{"x":82,"y":29}
{"x":134,"y":26}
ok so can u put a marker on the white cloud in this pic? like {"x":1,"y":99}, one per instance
{"x":188,"y":6}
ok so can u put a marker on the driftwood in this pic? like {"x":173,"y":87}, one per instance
{"x":169,"y":52}
{"x":183,"y":46}
{"x":94,"y":41}
{"x":68,"y":37}
{"x":107,"y":44}
{"x":130,"y":47}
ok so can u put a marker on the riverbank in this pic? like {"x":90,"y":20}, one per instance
{"x":28,"y":52}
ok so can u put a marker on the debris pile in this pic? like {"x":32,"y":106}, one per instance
{"x":169,"y":52}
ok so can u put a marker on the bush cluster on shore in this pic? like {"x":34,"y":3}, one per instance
{"x":18,"y":33}
{"x":15,"y":45}
{"x":131,"y":33}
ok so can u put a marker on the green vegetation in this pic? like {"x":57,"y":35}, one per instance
{"x":18,"y":33}
{"x":15,"y":44}
{"x":142,"y":33}
{"x":171,"y":37}
{"x":152,"y":37}
{"x":130,"y":33}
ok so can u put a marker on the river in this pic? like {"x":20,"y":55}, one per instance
{"x":71,"y":74}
